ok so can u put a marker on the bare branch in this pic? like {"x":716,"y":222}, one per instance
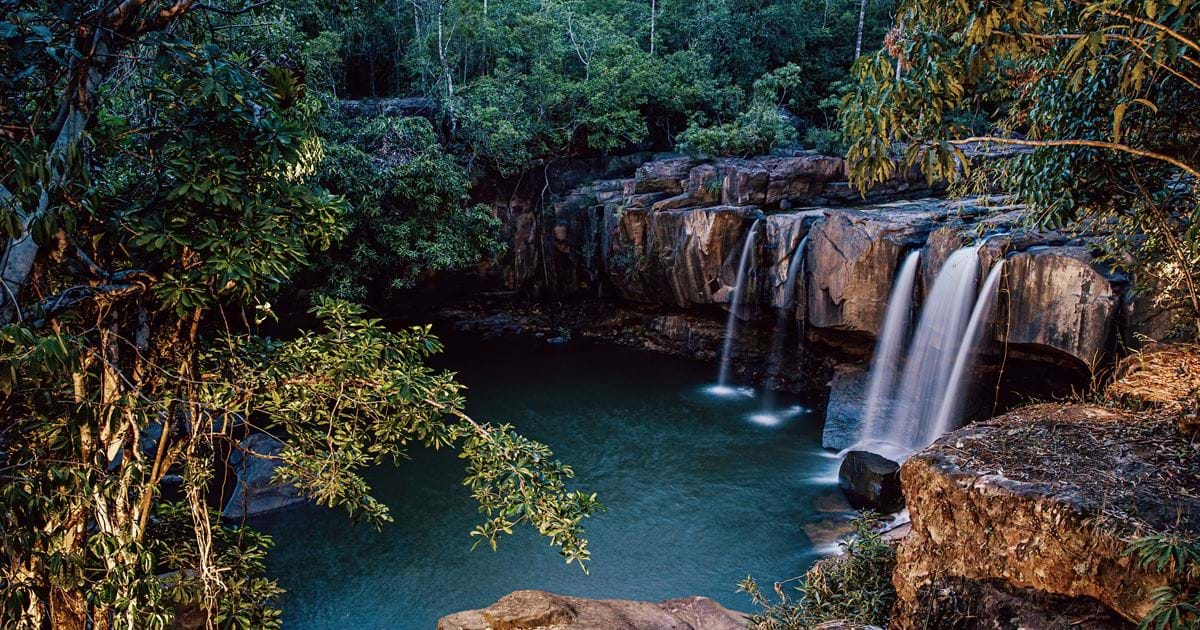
{"x":1112,"y":146}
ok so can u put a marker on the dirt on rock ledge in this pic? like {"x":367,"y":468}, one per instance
{"x":1045,"y":499}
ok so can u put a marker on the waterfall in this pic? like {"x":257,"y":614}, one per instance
{"x":910,"y":405}
{"x":885,"y":364}
{"x":947,"y":416}
{"x":783,"y":315}
{"x":735,"y":305}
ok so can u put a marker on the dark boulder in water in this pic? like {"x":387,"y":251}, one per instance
{"x":871,"y":482}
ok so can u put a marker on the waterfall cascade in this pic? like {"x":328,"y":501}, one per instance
{"x":911,"y":404}
{"x":889,"y":349}
{"x":735,"y":304}
{"x":784,"y":315}
{"x":770,"y":415}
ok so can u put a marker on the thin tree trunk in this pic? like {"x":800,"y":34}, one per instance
{"x":21,"y":252}
{"x":862,"y":18}
{"x":653,"y":18}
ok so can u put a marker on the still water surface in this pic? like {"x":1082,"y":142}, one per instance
{"x":701,"y":491}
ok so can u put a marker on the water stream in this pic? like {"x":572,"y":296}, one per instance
{"x":913,"y":402}
{"x":889,"y":349}
{"x":735,"y":306}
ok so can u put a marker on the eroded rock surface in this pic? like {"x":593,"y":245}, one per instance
{"x":852,"y":258}
{"x":1059,"y":300}
{"x":1046,"y":498}
{"x":843,"y":414}
{"x":670,"y":233}
{"x":539,"y":609}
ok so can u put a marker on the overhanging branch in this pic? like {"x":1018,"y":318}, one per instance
{"x":1098,"y":144}
{"x":124,"y":284}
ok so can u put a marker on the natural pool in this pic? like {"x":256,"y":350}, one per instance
{"x":699,"y":495}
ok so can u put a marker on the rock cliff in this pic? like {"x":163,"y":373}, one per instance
{"x":670,"y":236}
{"x":1044,"y":502}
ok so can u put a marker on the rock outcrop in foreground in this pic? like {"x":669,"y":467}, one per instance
{"x":539,"y":609}
{"x":1039,"y":505}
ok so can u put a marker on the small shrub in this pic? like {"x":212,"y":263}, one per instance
{"x":754,"y":132}
{"x":825,"y":141}
{"x":856,"y":586}
{"x":1176,"y":604}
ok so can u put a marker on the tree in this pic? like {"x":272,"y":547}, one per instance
{"x":1102,"y":96}
{"x":158,"y":191}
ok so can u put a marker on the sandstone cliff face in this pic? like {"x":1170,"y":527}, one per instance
{"x":1059,"y":300}
{"x":539,"y":609}
{"x":1045,"y":498}
{"x":852,"y":258}
{"x":672,"y":235}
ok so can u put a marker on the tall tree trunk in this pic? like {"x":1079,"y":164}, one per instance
{"x":862,"y":18}
{"x":653,"y":18}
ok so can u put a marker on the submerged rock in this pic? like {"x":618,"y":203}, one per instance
{"x":1045,"y":500}
{"x":539,"y":609}
{"x":843,"y":415}
{"x":871,"y":482}
{"x":255,"y":492}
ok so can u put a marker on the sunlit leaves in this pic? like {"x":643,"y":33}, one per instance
{"x":357,"y":395}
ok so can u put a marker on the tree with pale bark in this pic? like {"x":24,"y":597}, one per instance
{"x":157,"y":192}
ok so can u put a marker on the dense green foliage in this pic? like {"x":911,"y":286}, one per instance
{"x":158,"y":184}
{"x":521,"y":82}
{"x":1104,"y":96}
{"x":855,"y":586}
{"x":410,"y":209}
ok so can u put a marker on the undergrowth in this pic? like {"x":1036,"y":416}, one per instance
{"x":855,"y":586}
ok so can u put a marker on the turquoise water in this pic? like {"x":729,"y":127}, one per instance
{"x":699,"y":495}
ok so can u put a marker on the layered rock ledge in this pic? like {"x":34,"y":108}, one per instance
{"x":1044,"y":501}
{"x":670,"y":233}
{"x":539,"y":609}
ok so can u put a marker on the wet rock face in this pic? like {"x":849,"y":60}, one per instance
{"x":843,"y":415}
{"x":1059,"y":301}
{"x":672,"y":234}
{"x":852,"y":259}
{"x":255,"y":492}
{"x":1046,"y":498}
{"x":871,"y":482}
{"x":539,"y":609}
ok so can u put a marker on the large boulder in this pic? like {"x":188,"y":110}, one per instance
{"x":256,"y":491}
{"x":539,"y":609}
{"x":1060,"y":301}
{"x":871,"y":482}
{"x":1045,"y":499}
{"x":852,"y":260}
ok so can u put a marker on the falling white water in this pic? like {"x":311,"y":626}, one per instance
{"x":931,"y":354}
{"x":885,"y":364}
{"x":734,"y":306}
{"x":782,"y":317}
{"x":948,"y":415}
